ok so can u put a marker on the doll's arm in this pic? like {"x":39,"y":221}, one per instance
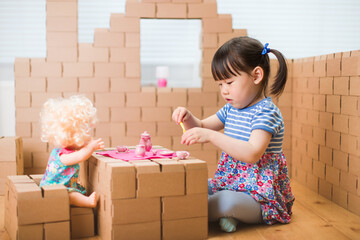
{"x":83,"y":154}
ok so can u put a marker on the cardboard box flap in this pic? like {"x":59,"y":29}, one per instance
{"x":172,"y":166}
{"x":25,"y":191}
{"x":143,"y":167}
{"x":194,"y":164}
{"x":55,"y":191}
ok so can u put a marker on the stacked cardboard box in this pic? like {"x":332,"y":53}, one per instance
{"x":82,"y":222}
{"x":11,"y":159}
{"x":35,"y":213}
{"x":149,"y":199}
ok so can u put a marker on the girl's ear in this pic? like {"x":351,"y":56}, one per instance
{"x":258,"y":74}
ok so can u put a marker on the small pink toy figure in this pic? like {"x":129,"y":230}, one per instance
{"x":162,"y":73}
{"x":140,"y":150}
{"x":66,"y":124}
{"x":146,"y":140}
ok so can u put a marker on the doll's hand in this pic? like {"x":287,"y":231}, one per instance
{"x":94,"y":145}
{"x":196,"y":135}
{"x":180,"y":114}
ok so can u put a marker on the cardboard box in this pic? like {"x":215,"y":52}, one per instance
{"x":191,"y":228}
{"x":57,"y":231}
{"x":11,"y":159}
{"x":82,"y":222}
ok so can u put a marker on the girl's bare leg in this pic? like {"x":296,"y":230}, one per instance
{"x":80,"y":200}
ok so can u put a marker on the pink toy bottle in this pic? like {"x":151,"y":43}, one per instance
{"x":162,"y":73}
{"x":146,"y":140}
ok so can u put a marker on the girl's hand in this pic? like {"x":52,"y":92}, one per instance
{"x":196,"y":135}
{"x":180,"y":114}
{"x":94,"y":145}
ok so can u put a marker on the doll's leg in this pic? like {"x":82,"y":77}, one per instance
{"x":80,"y":200}
{"x":231,"y":207}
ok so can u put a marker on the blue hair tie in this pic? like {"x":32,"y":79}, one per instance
{"x":266,"y":49}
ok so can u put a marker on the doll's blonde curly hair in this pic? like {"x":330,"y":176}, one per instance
{"x":67,"y":122}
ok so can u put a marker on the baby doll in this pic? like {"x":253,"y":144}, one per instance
{"x":66,"y":124}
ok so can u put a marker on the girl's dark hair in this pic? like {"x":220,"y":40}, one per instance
{"x":244,"y":54}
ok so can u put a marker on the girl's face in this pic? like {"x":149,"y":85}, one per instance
{"x":240,"y":91}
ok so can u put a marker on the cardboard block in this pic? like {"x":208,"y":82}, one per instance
{"x":109,"y":69}
{"x":109,"y":99}
{"x":196,"y":176}
{"x":94,"y":84}
{"x":224,"y":37}
{"x":88,"y":53}
{"x":80,"y":69}
{"x":40,"y":68}
{"x":27,"y":232}
{"x":348,"y":105}
{"x":137,"y":210}
{"x":208,"y":54}
{"x":200,"y":99}
{"x":209,"y":40}
{"x":22,"y":67}
{"x":61,"y":54}
{"x":22,"y":99}
{"x":171,"y":10}
{"x":355,"y":86}
{"x":128,"y":54}
{"x":39,"y":98}
{"x":191,"y":228}
{"x":171,"y":98}
{"x":63,"y":9}
{"x":183,"y":207}
{"x":143,"y":99}
{"x":350,"y":64}
{"x":150,"y":114}
{"x":57,"y":230}
{"x":333,"y":62}
{"x":125,"y":85}
{"x":105,"y":38}
{"x":333,"y":103}
{"x":135,"y":8}
{"x":148,"y":230}
{"x":153,"y":181}
{"x":33,"y":208}
{"x":168,"y":129}
{"x":66,"y":84}
{"x":119,"y":180}
{"x":82,"y":222}
{"x":132,"y":69}
{"x":200,"y":10}
{"x":29,"y":84}
{"x":121,"y":23}
{"x":23,"y":129}
{"x":62,"y":39}
{"x":220,"y":24}
{"x":11,"y":149}
{"x":61,"y":24}
{"x":128,"y":114}
{"x":132,"y":40}
{"x":37,"y":178}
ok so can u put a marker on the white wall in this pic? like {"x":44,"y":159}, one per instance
{"x":298,"y":28}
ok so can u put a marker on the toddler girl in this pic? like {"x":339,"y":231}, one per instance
{"x":66,"y":124}
{"x":251,"y":183}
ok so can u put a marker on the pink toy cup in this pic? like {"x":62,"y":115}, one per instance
{"x":182,"y":154}
{"x":122,"y":148}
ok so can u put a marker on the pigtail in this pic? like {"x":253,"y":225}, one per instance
{"x":280,"y":79}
